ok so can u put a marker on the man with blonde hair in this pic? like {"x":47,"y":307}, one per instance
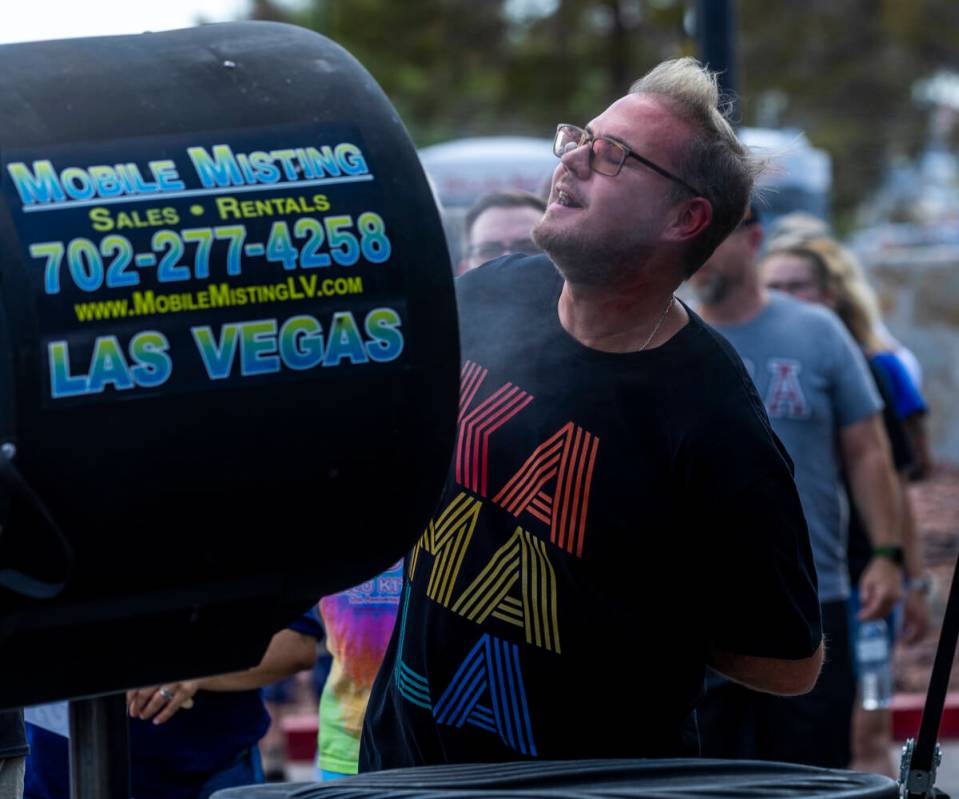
{"x":618,"y":512}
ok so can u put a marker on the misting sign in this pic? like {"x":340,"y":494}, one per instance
{"x":168,"y":264}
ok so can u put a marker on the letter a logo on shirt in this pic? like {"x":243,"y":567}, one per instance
{"x":517,"y":586}
{"x":477,"y":425}
{"x":412,"y":685}
{"x":488,"y":692}
{"x":785,"y":398}
{"x":447,"y":539}
{"x":566,"y":461}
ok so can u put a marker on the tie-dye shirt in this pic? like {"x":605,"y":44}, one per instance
{"x":359,"y":622}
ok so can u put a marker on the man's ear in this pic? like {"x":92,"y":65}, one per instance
{"x":756,"y":237}
{"x":692,"y":218}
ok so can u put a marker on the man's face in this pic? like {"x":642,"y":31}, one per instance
{"x":594,"y":224}
{"x":498,"y":231}
{"x":728,"y":266}
{"x":795,"y":275}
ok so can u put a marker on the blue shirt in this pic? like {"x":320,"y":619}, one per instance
{"x":907,"y":399}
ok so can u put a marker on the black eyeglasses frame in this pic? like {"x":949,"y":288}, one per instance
{"x":588,"y":137}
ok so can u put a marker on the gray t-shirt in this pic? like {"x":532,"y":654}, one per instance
{"x":814,"y":381}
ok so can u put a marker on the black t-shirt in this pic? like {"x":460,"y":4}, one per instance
{"x":608,"y":518}
{"x":13,"y":738}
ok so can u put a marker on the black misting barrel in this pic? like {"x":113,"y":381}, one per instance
{"x":228,"y":349}
{"x":591,"y":779}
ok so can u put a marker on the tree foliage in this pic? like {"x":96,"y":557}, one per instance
{"x":846,"y":71}
{"x":842,"y":72}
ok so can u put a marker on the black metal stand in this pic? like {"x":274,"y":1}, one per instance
{"x":99,"y":748}
{"x":920,"y":758}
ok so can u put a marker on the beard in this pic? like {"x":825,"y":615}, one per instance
{"x":585,"y":259}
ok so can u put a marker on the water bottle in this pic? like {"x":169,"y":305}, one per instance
{"x":875,"y":672}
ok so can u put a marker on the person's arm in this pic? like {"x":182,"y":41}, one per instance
{"x":916,"y":427}
{"x":911,"y":409}
{"x":289,"y":652}
{"x":915,"y":610}
{"x":771,"y":675}
{"x":865,"y":457}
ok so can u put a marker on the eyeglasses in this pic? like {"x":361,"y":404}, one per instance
{"x":488,"y":250}
{"x":606,"y":155}
{"x":794,"y":287}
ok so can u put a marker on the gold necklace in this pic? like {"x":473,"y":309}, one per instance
{"x":662,"y":318}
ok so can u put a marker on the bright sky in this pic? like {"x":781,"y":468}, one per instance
{"x":35,"y":20}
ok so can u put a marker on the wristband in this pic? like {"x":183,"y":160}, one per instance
{"x":894,"y":553}
{"x":921,"y":585}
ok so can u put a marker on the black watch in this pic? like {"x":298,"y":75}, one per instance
{"x":894,"y":553}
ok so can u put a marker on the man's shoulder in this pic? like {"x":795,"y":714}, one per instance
{"x":790,"y":328}
{"x":722,"y":384}
{"x":506,"y":274}
{"x":725,"y":404}
{"x":512,"y":286}
{"x":714,"y":349}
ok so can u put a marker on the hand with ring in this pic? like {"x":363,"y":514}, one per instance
{"x":160,"y":702}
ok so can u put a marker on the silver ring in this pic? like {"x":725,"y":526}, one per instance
{"x":166,"y":694}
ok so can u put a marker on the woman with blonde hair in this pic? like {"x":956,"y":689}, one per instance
{"x":821,"y":270}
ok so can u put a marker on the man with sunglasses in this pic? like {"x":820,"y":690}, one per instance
{"x":618,"y":512}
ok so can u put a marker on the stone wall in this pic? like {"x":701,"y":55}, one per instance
{"x":919,"y":297}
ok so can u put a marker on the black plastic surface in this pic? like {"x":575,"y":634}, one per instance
{"x":606,"y":779}
{"x":206,"y":510}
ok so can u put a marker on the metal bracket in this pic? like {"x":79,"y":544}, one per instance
{"x":917,"y":781}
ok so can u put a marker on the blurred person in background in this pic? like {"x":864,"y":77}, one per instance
{"x":290,"y":696}
{"x":904,"y":373}
{"x":795,"y":226}
{"x":914,"y":370}
{"x":189,"y":738}
{"x":499,"y":223}
{"x":824,"y":406}
{"x":820,"y":270}
{"x":358,"y":624}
